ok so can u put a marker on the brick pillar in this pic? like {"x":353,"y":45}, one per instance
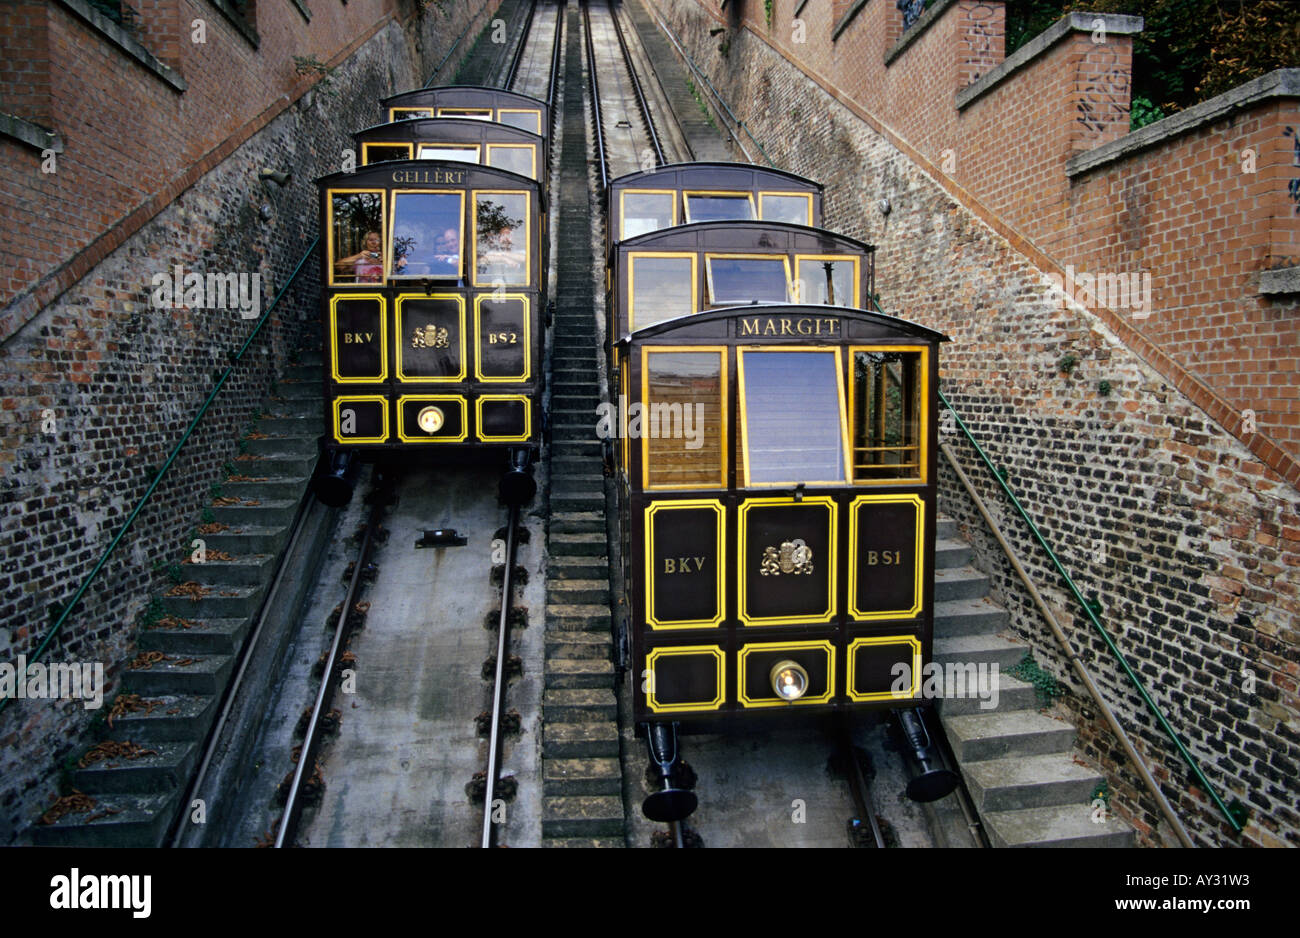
{"x":981,"y":38}
{"x":25,"y":66}
{"x":1098,"y":97}
{"x":160,"y":29}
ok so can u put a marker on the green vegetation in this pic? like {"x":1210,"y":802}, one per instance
{"x":704,"y":108}
{"x":1044,"y":684}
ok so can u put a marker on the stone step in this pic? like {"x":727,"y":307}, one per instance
{"x":1013,"y":694}
{"x":305,"y":370}
{"x":273,"y":511}
{"x":580,"y":705}
{"x":575,"y":522}
{"x":589,"y":568}
{"x":582,"y":816}
{"x":945,"y":528}
{"x":578,"y":644}
{"x":578,"y":592}
{"x":582,"y":617}
{"x":203,"y":637}
{"x":283,"y":446}
{"x":949,"y":553}
{"x":165,"y":766}
{"x":1057,"y":826}
{"x":568,"y":503}
{"x":997,"y":734}
{"x":271,"y":489}
{"x":292,"y":424}
{"x":117,"y":820}
{"x":585,"y":430}
{"x":582,"y":545}
{"x":968,"y":617}
{"x":959,"y":583}
{"x":205,"y":675}
{"x":300,"y":390}
{"x":310,"y":358}
{"x":978,"y":649}
{"x":221,"y":602}
{"x":586,"y":739}
{"x":585,"y":843}
{"x":581,"y":777}
{"x":571,"y":673}
{"x":1021,"y":782}
{"x":276,"y":467}
{"x":244,"y":570}
{"x":240,"y":540}
{"x":175,"y":717}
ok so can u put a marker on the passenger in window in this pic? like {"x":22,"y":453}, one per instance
{"x":500,"y":257}
{"x":367,"y":264}
{"x":446,"y":253}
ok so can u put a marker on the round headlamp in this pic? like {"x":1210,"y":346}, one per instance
{"x":789,"y":680}
{"x":430,"y":419}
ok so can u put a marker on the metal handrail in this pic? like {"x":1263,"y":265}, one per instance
{"x":1143,"y":772}
{"x":1230,"y":814}
{"x":66,"y":612}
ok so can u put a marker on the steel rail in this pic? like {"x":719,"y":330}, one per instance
{"x":325,"y":693}
{"x":512,"y":72}
{"x":555,"y":61}
{"x":499,"y":685}
{"x":641,"y":99}
{"x":1088,"y":610}
{"x":235,"y":359}
{"x":595,"y":99}
{"x":1084,"y":676}
{"x":859,"y":788}
{"x":245,"y":657}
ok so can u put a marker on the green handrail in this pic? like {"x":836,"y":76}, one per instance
{"x":66,"y":612}
{"x":1090,"y":609}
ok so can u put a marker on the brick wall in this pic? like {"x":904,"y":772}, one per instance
{"x":1188,"y":539}
{"x":122,"y":379}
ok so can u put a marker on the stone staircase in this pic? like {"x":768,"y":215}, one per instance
{"x":1018,"y":762}
{"x":582,"y":800}
{"x":135,"y":799}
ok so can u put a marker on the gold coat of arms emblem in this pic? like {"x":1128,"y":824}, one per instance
{"x":430,"y":336}
{"x":791,"y":557}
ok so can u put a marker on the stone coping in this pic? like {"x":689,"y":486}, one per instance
{"x":1280,"y":83}
{"x":124,"y":41}
{"x":922,"y":23}
{"x":302,"y":8}
{"x":34,"y":135}
{"x":1114,"y":23}
{"x":246,"y":29}
{"x":1281,"y":280}
{"x":845,"y":20}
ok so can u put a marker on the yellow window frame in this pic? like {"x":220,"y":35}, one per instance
{"x":727,"y":193}
{"x":401,"y":333}
{"x":392,"y":220}
{"x":720,"y":578}
{"x":720,"y":659}
{"x":419,"y":111}
{"x":535,"y":112}
{"x":622,"y":206}
{"x":528,"y":236}
{"x":923,"y":380}
{"x":329,"y":230}
{"x":501,"y":399}
{"x":383,"y":338}
{"x":476,"y":147}
{"x":532,"y":152}
{"x":365,"y":149}
{"x":646,"y":352}
{"x":457,"y":399}
{"x":527,"y":338}
{"x":632,"y":258}
{"x":837,"y":258}
{"x":832,"y":562}
{"x":360,"y":399}
{"x":742,"y":423}
{"x":783,"y":258}
{"x":787,"y":195}
{"x":469,"y":113}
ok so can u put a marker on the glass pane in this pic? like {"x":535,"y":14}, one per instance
{"x":454,"y":154}
{"x":501,"y":226}
{"x":792,"y":417}
{"x":512,"y":159}
{"x":794,"y":209}
{"x":745,"y":280}
{"x":357,"y":220}
{"x":681,"y":421}
{"x":524,"y":120}
{"x":426,"y":234}
{"x":474,"y":114}
{"x":406,"y":114}
{"x":886,"y":415}
{"x":661,"y":289}
{"x":646,"y":211}
{"x":719,"y":208}
{"x":829,"y":282}
{"x":376,"y":153}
